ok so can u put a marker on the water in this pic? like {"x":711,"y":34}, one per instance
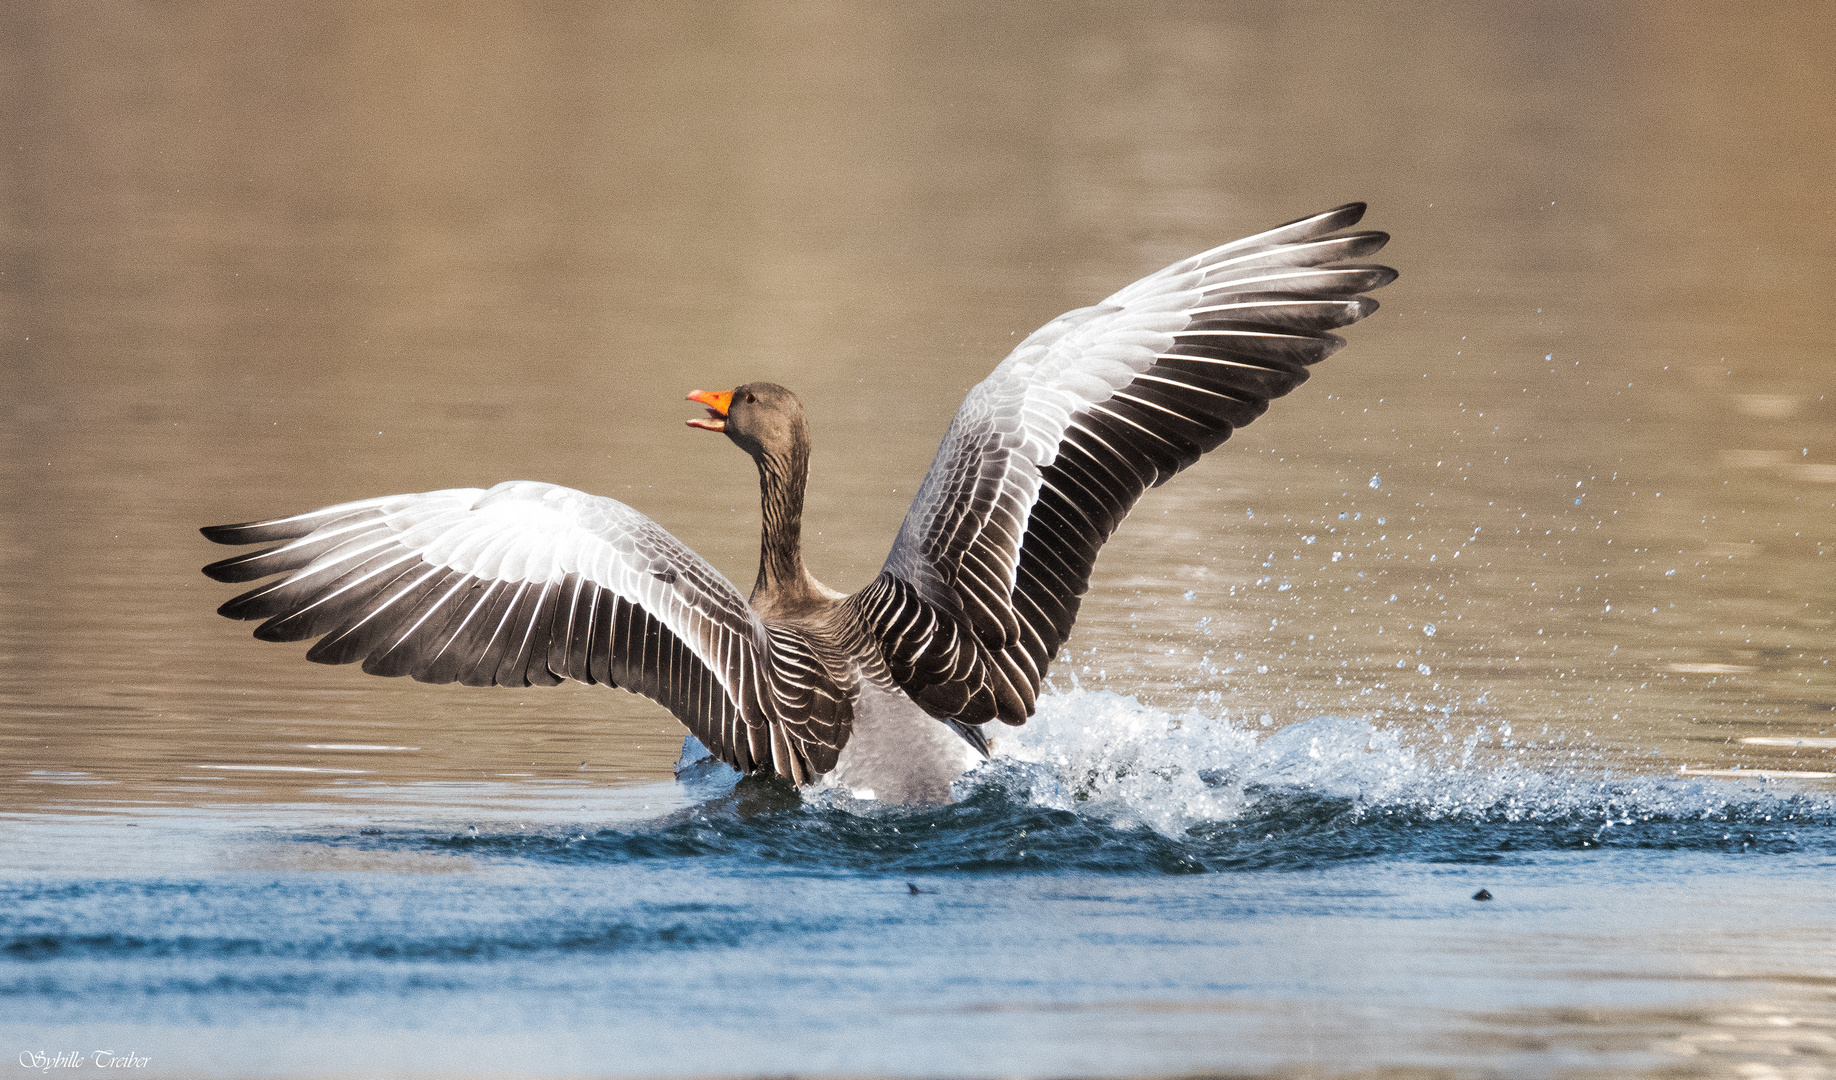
{"x":1527,"y":591}
{"x":1125,"y":892}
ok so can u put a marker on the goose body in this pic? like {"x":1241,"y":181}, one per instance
{"x":885,"y":690}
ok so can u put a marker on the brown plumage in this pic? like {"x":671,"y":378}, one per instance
{"x":885,"y":690}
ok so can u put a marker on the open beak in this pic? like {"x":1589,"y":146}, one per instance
{"x":718,"y":402}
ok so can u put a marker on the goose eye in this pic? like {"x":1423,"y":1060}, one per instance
{"x":752,"y":397}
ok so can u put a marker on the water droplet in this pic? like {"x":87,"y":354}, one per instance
{"x":1428,"y":629}
{"x":1376,"y":481}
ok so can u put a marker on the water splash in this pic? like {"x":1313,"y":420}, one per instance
{"x":1098,"y":782}
{"x":1103,"y":754}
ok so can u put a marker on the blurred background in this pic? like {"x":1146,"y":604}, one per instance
{"x":1568,"y":496}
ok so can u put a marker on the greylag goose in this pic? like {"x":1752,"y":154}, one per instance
{"x":883,"y":691}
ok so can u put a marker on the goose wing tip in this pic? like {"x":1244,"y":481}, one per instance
{"x":1343,"y":216}
{"x":221,"y":570}
{"x":224,"y":534}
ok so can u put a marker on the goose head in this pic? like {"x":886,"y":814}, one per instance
{"x":763,"y":419}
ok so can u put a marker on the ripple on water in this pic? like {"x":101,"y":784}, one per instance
{"x":1117,"y":875}
{"x":1099,"y":783}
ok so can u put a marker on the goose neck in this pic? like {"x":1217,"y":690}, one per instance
{"x":782,"y":576}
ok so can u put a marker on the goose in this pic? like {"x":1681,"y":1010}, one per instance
{"x":884,"y":692}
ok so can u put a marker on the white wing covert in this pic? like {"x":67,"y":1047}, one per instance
{"x":528,"y":584}
{"x":1049,"y":453}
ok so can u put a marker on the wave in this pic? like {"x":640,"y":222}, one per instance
{"x":1098,"y":782}
{"x":1102,"y":753}
{"x":1095,"y":784}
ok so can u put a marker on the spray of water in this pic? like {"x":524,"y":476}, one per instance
{"x":1103,"y":754}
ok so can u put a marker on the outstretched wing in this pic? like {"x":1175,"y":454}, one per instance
{"x":528,"y":584}
{"x":1051,"y":451}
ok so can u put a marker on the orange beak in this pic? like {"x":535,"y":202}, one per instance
{"x":718,"y":402}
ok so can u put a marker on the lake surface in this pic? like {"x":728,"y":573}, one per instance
{"x":1529,"y":590}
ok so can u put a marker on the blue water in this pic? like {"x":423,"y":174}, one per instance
{"x":1121,"y":891}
